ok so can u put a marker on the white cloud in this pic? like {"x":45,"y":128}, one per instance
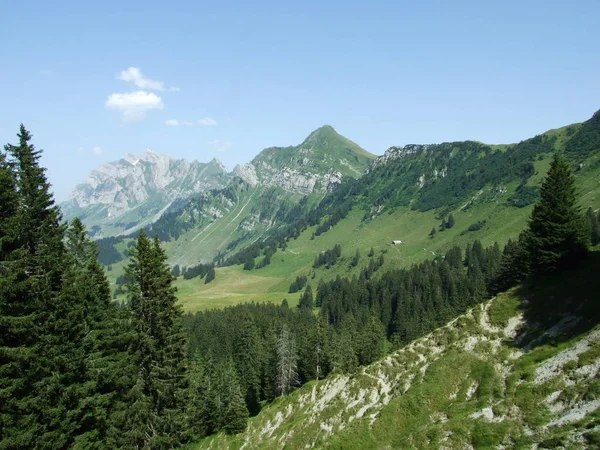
{"x":134,"y":75}
{"x":172,"y":123}
{"x":97,"y":150}
{"x":219,"y":145}
{"x":134,"y":105}
{"x":207,"y":121}
{"x":187,"y":123}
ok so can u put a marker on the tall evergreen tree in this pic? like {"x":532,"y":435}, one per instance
{"x":99,"y":367}
{"x":557,"y":235}
{"x":235,"y":414}
{"x":160,"y":392}
{"x":35,"y":329}
{"x":248,"y":357}
{"x":306,"y":300}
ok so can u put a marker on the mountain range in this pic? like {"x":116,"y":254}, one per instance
{"x":125,"y":195}
{"x":129,"y":193}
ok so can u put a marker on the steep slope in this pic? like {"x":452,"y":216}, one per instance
{"x":319,"y":163}
{"x":127,"y":194}
{"x":489,"y":379}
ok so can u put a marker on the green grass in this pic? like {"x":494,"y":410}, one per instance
{"x":501,"y":311}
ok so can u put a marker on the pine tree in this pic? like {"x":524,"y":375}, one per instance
{"x":249,"y":263}
{"x":306,"y":300}
{"x":248,"y":359}
{"x":160,"y":390}
{"x":34,"y":327}
{"x":235,"y":415}
{"x":100,"y":369}
{"x":372,"y":340}
{"x":557,"y":235}
{"x":513,"y":266}
{"x":432,"y":233}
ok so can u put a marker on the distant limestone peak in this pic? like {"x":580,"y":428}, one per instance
{"x":123,"y":193}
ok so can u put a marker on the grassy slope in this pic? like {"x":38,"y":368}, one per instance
{"x":412,"y":227}
{"x":202,"y":245}
{"x":478,"y":382}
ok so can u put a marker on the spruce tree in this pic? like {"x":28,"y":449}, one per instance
{"x":306,"y":300}
{"x":235,"y":415}
{"x":34,"y":323}
{"x":557,"y":235}
{"x":100,"y":369}
{"x":160,"y":392}
{"x":450,"y":222}
{"x":372,"y":340}
{"x":248,"y":357}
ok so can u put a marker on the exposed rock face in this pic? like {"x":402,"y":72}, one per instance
{"x":114,"y":189}
{"x":247,"y":172}
{"x":318,"y":164}
{"x":399,"y":152}
{"x":289,"y":179}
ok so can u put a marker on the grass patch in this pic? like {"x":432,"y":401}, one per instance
{"x":503,"y":308}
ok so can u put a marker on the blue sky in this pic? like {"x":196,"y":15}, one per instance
{"x":241,"y":76}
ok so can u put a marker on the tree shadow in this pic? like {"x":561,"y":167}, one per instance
{"x":559,"y":307}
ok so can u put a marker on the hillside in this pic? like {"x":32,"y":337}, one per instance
{"x":125,"y":195}
{"x":489,"y":379}
{"x":489,"y":190}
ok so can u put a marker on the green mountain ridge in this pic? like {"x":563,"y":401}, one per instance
{"x":405,"y":193}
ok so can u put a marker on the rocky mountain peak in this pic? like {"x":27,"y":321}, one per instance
{"x":318,"y":163}
{"x":124,"y":191}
